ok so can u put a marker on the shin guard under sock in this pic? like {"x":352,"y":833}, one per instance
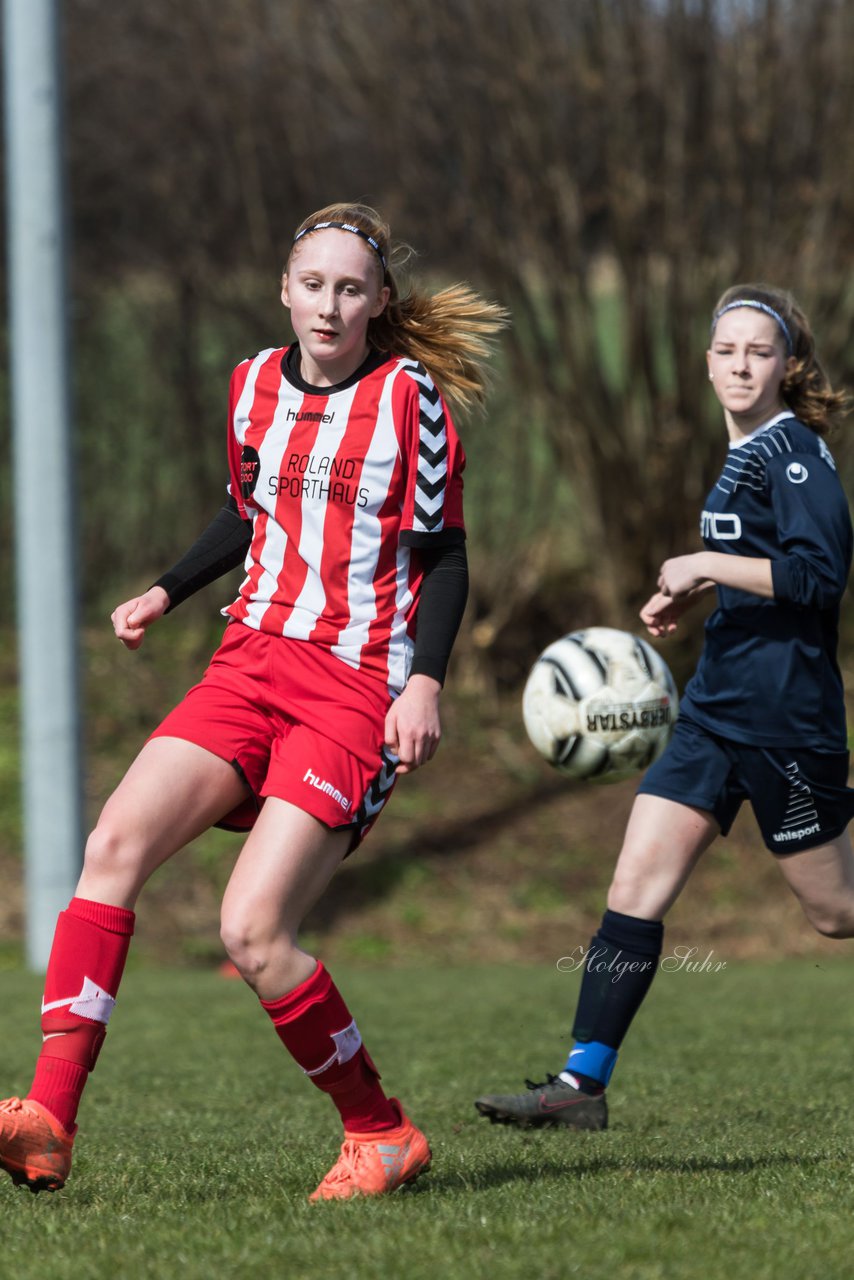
{"x":619,"y":969}
{"x":318,"y":1030}
{"x":86,"y":962}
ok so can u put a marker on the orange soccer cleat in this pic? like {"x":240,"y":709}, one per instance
{"x":372,"y":1164}
{"x":34,"y":1147}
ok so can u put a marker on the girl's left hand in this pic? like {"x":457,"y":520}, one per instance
{"x":679,"y":576}
{"x":412,"y":727}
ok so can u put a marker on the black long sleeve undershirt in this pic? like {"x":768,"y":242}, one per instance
{"x":444,"y":591}
{"x":444,"y":588}
{"x":221,"y":547}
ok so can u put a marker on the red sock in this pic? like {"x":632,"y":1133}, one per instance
{"x":316,"y":1027}
{"x":88,"y":956}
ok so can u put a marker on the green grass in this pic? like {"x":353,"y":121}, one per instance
{"x":729,"y":1152}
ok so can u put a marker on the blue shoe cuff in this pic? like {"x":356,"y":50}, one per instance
{"x":592,"y":1059}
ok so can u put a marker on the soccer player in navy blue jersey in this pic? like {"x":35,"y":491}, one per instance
{"x":763,"y":718}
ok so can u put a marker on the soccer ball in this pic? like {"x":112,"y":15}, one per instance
{"x":599,"y":701}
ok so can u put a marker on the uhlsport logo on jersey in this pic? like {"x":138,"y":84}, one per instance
{"x":796,"y":472}
{"x":327,"y":788}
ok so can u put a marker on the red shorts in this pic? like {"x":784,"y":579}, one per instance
{"x":297,"y":723}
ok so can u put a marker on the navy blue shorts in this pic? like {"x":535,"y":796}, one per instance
{"x":800,"y":798}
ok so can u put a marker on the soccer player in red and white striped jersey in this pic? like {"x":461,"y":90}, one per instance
{"x":341,"y":485}
{"x":345,"y":506}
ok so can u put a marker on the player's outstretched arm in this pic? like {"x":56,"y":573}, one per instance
{"x":412,"y":725}
{"x":131,"y":619}
{"x":683,"y":574}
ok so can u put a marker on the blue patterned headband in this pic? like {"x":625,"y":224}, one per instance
{"x":758,"y":306}
{"x":345,"y":226}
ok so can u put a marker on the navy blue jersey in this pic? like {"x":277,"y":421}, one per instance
{"x":768,"y":674}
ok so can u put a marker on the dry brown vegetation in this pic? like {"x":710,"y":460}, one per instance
{"x":604,"y":169}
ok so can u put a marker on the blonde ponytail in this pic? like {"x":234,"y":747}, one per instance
{"x":451,"y":332}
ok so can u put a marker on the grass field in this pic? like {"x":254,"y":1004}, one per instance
{"x":730,"y":1151}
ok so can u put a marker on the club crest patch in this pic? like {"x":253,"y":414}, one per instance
{"x":250,"y":465}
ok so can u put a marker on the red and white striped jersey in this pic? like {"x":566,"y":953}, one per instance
{"x":340,"y":487}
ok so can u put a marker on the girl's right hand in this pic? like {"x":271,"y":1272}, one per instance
{"x":661,"y":613}
{"x":131,"y":618}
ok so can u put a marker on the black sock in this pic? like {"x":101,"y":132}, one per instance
{"x":618,"y":971}
{"x":586,"y":1084}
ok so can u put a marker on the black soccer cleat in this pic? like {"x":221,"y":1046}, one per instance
{"x":553,"y":1103}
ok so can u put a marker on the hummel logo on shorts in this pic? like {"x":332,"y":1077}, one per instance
{"x":327,"y":788}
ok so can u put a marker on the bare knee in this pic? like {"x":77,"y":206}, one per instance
{"x":244,"y":950}
{"x":645,"y":896}
{"x":832,"y":924}
{"x":114,"y":857}
{"x":625,"y":893}
{"x":256,"y":946}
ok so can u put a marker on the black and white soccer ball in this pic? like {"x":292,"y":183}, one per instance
{"x":598,"y":701}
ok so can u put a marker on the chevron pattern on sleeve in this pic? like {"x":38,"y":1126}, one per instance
{"x":432,"y":476}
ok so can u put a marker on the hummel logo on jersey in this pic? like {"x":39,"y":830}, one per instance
{"x":306,"y":415}
{"x":92,"y":1003}
{"x":327,"y":789}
